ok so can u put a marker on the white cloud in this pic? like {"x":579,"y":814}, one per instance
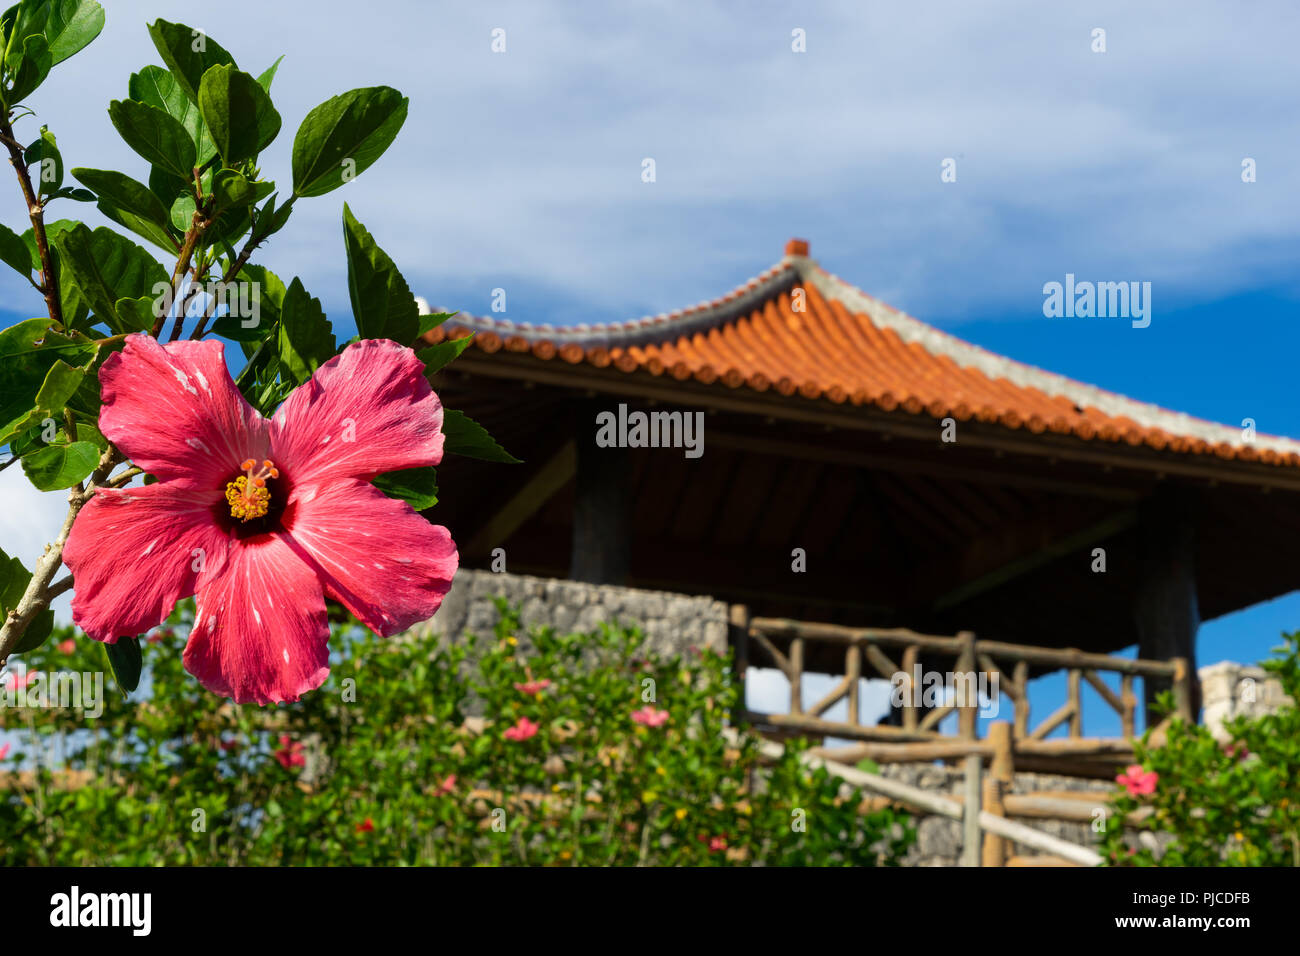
{"x":522,"y":169}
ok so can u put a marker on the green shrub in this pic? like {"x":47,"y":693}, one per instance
{"x":1223,"y":805}
{"x":381,"y":765}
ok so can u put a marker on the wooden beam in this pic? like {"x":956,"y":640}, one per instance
{"x":557,"y":472}
{"x":864,"y":418}
{"x":1032,"y":562}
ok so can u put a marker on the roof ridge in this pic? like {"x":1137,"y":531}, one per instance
{"x":699,"y":317}
{"x":969,"y":355}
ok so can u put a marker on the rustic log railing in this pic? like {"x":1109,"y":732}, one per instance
{"x":893,"y":654}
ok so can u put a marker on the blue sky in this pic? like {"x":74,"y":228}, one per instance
{"x":521,"y":170}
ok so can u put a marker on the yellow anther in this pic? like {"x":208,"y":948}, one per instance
{"x":248,"y":495}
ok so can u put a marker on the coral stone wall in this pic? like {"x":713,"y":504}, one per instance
{"x":672,"y":623}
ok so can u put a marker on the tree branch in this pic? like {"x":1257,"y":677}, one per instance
{"x":36,"y":211}
{"x":39,"y":591}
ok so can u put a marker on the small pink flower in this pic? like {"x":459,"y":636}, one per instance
{"x":1238,"y":751}
{"x":66,"y":647}
{"x":272,"y":506}
{"x":524,"y":729}
{"x":366,"y":826}
{"x":716,"y":844}
{"x":4,"y":751}
{"x":533,"y":686}
{"x":650,"y":717}
{"x":447,"y":785}
{"x":20,"y":681}
{"x":1138,"y":782}
{"x":289,"y":753}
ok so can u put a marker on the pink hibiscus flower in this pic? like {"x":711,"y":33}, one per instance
{"x":533,"y":686}
{"x":649,"y":716}
{"x":524,"y":729}
{"x":447,"y":785}
{"x":20,"y":681}
{"x":1137,"y":782}
{"x":261,"y":518}
{"x":66,"y":647}
{"x":289,"y":753}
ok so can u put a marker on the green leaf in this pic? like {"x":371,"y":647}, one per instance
{"x":130,"y":204}
{"x":156,"y":135}
{"x":306,"y":336}
{"x":268,"y":291}
{"x":60,"y":466}
{"x":61,"y":383}
{"x":382,"y":303}
{"x":418,"y":487}
{"x":106,"y":267}
{"x":268,"y":77}
{"x":72,"y":26}
{"x":182,"y":212}
{"x":431,"y":320}
{"x":344,"y":136}
{"x":238,"y":112}
{"x":188,"y":54}
{"x":44,"y":154}
{"x":138,"y":315}
{"x":156,"y":87}
{"x":126,"y":662}
{"x":28,"y":351}
{"x":28,"y":66}
{"x":233,"y":190}
{"x":464,"y":436}
{"x":270,"y":219}
{"x":14,"y":252}
{"x":438,"y":356}
{"x":71,"y":192}
{"x":14,"y":579}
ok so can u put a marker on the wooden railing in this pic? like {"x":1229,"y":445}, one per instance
{"x":894,"y":654}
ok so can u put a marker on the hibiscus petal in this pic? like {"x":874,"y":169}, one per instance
{"x":175,"y":412}
{"x":366,"y":411}
{"x":133,"y":554}
{"x":385,"y":563}
{"x":260,"y":632}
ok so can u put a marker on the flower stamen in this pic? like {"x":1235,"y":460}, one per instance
{"x":248,"y":495}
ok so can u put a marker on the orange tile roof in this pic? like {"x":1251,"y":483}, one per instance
{"x":840,"y":345}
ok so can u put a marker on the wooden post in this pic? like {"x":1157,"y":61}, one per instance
{"x":796,"y":675}
{"x":910,"y":716}
{"x":970,"y":846}
{"x":738,"y":638}
{"x":1022,"y":703}
{"x":967,"y":664}
{"x":1185,"y":689}
{"x":1128,"y":720}
{"x":1001,"y":775}
{"x":1166,"y":608}
{"x":1076,"y":701}
{"x":601,"y":536}
{"x":853,"y":671}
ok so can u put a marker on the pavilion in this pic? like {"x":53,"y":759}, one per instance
{"x":926,"y":483}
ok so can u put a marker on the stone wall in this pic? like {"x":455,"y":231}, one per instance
{"x":672,"y":623}
{"x":1234,"y":690}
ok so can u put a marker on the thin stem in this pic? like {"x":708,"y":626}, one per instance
{"x":49,"y":286}
{"x":58,"y":587}
{"x":255,"y":239}
{"x":37,"y":596}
